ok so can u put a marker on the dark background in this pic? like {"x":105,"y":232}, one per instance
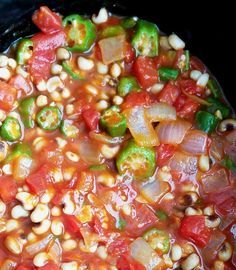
{"x":207,"y":27}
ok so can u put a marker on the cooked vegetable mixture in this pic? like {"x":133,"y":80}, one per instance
{"x":117,"y":150}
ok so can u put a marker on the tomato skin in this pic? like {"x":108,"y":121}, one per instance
{"x":193,"y":228}
{"x":126,"y":263}
{"x":227,"y":207}
{"x":137,"y":99}
{"x":49,"y":266}
{"x":197,"y":64}
{"x":22,"y":85}
{"x":119,"y":246}
{"x":8,"y":189}
{"x":164,"y":153}
{"x":145,"y":70}
{"x":186,"y":107}
{"x":7,"y":96}
{"x":169,"y":93}
{"x":91,"y":118}
{"x":23,"y":267}
{"x":72,"y":224}
{"x":191,"y":87}
{"x":47,"y":21}
{"x":129,"y":53}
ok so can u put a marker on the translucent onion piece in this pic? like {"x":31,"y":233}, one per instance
{"x":55,"y":251}
{"x":104,"y":138}
{"x":161,"y":112}
{"x":89,"y":152}
{"x":39,"y":245}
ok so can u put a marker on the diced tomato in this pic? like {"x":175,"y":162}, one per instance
{"x":22,"y":85}
{"x":91,"y":118}
{"x":186,"y":107}
{"x":49,"y":266}
{"x":137,"y":99}
{"x":227,"y":207}
{"x":164,"y":153}
{"x":169,"y":93}
{"x":23,"y":267}
{"x":98,"y":53}
{"x":119,"y":246}
{"x":126,"y":263}
{"x":129,"y":53}
{"x":145,"y":70}
{"x":8,"y":189}
{"x":196,"y":63}
{"x":72,"y":224}
{"x":47,"y":21}
{"x":144,"y":218}
{"x":7,"y":96}
{"x":193,"y":228}
{"x":44,"y":54}
{"x":191,"y":87}
{"x":39,"y":181}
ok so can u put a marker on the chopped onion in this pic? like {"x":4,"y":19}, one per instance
{"x":230,"y":145}
{"x":55,"y":251}
{"x":216,"y":149}
{"x":154,"y":191}
{"x":144,"y":254}
{"x":216,"y":179}
{"x":22,"y":167}
{"x":39,"y":245}
{"x":104,"y":138}
{"x":209,"y":253}
{"x":161,"y":112}
{"x":140,"y":127}
{"x":172,"y":132}
{"x":89,"y":152}
{"x":194,"y":142}
{"x":197,"y":99}
{"x":112,"y":49}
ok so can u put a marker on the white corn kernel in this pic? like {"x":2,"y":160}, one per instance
{"x":117,"y":100}
{"x":70,"y":266}
{"x":72,"y":156}
{"x":195,"y":74}
{"x":2,"y":208}
{"x":12,"y":63}
{"x":106,"y":179}
{"x":63,"y":76}
{"x":41,"y":101}
{"x":204,"y":163}
{"x":68,"y":173}
{"x":212,"y":221}
{"x":69,"y":245}
{"x":127,"y":209}
{"x":3,"y":60}
{"x":12,"y":225}
{"x":190,"y":262}
{"x":115,"y":70}
{"x":54,"y":83}
{"x":69,"y":109}
{"x":175,"y":42}
{"x":47,"y":196}
{"x":90,"y":89}
{"x":20,"y":71}
{"x":164,"y":43}
{"x":13,"y":245}
{"x":191,"y":211}
{"x":225,"y":252}
{"x":85,"y":64}
{"x":62,"y":54}
{"x":41,"y":86}
{"x":108,"y":151}
{"x":65,"y":93}
{"x":102,"y":252}
{"x":5,"y":74}
{"x":102,"y":68}
{"x":56,"y":96}
{"x":40,"y":213}
{"x":28,"y":200}
{"x":61,"y":142}
{"x":2,"y":226}
{"x":41,"y":259}
{"x":219,"y":265}
{"x":39,"y":143}
{"x":55,"y":211}
{"x":203,"y":80}
{"x":31,"y":237}
{"x":102,"y":16}
{"x":176,"y":252}
{"x":157,"y":87}
{"x":102,"y":105}
{"x":42,"y":228}
{"x":69,"y":206}
{"x":57,"y":227}
{"x":56,"y":69}
{"x":18,"y":211}
{"x":7,"y":169}
{"x":208,"y":211}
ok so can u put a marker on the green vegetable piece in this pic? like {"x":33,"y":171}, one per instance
{"x":24,"y":51}
{"x":19,"y":150}
{"x":75,"y":74}
{"x":162,"y":216}
{"x":214,"y":87}
{"x":137,"y":160}
{"x":187,"y":61}
{"x":49,"y":118}
{"x":27,"y":109}
{"x":11,"y":129}
{"x":101,"y":167}
{"x":217,"y":105}
{"x":81,"y":33}
{"x":167,"y":74}
{"x":68,"y":129}
{"x":113,"y":122}
{"x":127,"y":85}
{"x":206,"y":121}
{"x":229,"y":164}
{"x":159,"y":240}
{"x":145,"y":40}
{"x":120,"y":224}
{"x":112,"y":31}
{"x":128,"y":23}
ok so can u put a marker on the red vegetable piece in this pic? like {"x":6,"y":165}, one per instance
{"x":22,"y":85}
{"x":169,"y":93}
{"x":164,"y":153}
{"x":137,"y":99}
{"x":8,"y":189}
{"x":7,"y":96}
{"x":91,"y":118}
{"x":49,"y":266}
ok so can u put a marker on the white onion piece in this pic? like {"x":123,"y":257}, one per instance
{"x":172,"y":132}
{"x":216,"y":179}
{"x":144,"y":254}
{"x":216,"y":148}
{"x":161,"y":112}
{"x":55,"y":252}
{"x":39,"y":245}
{"x":89,"y":152}
{"x":104,"y":138}
{"x":194,"y":142}
{"x":154,"y":191}
{"x":140,"y":127}
{"x":112,"y":49}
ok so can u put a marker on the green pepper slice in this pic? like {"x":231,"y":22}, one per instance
{"x":81,"y":33}
{"x":99,"y":168}
{"x":127,"y":85}
{"x":11,"y":129}
{"x":27,"y":109}
{"x":128,"y":23}
{"x":159,"y":240}
{"x":187,"y":61}
{"x":68,"y":129}
{"x":49,"y":118}
{"x":24,"y":51}
{"x":214,"y":87}
{"x":19,"y":149}
{"x":137,"y":160}
{"x":75,"y":74}
{"x":217,"y":105}
{"x":206,"y":121}
{"x":145,"y":40}
{"x":113,"y":122}
{"x":166,"y":74}
{"x":112,"y":31}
